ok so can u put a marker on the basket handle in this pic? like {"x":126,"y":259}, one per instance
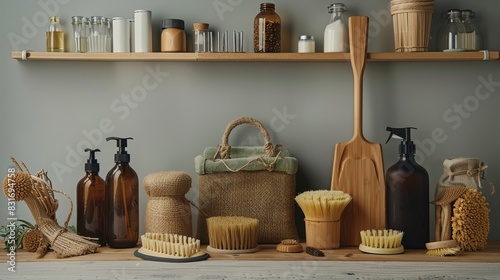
{"x":225,"y":150}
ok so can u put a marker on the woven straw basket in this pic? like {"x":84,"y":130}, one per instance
{"x":412,"y":24}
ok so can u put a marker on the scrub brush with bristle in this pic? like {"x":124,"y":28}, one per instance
{"x":443,"y":248}
{"x":323,"y":205}
{"x":381,"y":242}
{"x":232,"y":234}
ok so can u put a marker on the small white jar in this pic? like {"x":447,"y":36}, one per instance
{"x":306,"y":44}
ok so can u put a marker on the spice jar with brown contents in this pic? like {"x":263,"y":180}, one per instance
{"x":173,"y":37}
{"x":267,"y":30}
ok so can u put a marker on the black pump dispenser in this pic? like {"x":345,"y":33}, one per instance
{"x":407,"y":147}
{"x":92,"y":166}
{"x":121,"y":143}
{"x":407,"y":193}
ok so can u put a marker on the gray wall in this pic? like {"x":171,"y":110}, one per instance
{"x":50,"y":110}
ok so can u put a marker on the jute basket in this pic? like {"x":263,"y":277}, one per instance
{"x":412,"y":24}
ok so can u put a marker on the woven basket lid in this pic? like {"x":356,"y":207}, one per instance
{"x":167,"y":183}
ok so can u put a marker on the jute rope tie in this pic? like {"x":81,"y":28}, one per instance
{"x":474,"y":173}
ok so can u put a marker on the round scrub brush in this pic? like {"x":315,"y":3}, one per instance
{"x":323,"y":210}
{"x":470,"y":222}
{"x":443,"y":248}
{"x":381,"y":242}
{"x":17,"y":187}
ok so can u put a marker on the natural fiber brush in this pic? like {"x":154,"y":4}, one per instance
{"x":231,"y":234}
{"x":323,"y":205}
{"x":381,"y":242}
{"x":289,"y":246}
{"x":170,"y":244}
{"x":470,"y":222}
{"x":443,"y":248}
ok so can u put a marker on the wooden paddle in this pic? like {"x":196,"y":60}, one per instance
{"x":358,"y":167}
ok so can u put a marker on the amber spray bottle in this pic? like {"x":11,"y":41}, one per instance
{"x":91,"y":204}
{"x":407,"y":193}
{"x":122,"y":200}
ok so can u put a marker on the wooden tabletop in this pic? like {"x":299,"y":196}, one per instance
{"x":491,"y":254}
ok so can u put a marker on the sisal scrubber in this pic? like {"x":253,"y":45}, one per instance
{"x":470,"y":222}
{"x":232,"y":234}
{"x":381,"y":242}
{"x":20,"y":183}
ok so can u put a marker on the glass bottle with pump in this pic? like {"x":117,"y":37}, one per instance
{"x":267,"y":30}
{"x":407,"y":193}
{"x":122,"y":200}
{"x":55,"y":36}
{"x":336,"y":37}
{"x":91,"y":204}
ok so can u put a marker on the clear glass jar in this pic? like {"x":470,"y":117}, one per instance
{"x":267,"y":30}
{"x":469,"y":38}
{"x":306,"y":44}
{"x":452,"y":32}
{"x":80,"y":34}
{"x":55,"y":36}
{"x":336,"y":37}
{"x":202,"y":38}
{"x":97,"y":38}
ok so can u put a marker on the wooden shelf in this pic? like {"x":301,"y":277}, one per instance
{"x":257,"y":57}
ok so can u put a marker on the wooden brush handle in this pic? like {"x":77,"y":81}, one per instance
{"x":358,"y":43}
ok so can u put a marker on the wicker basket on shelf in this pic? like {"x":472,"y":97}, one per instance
{"x":412,"y":24}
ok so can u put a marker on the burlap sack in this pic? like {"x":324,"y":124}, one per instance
{"x":255,"y":182}
{"x":459,"y":174}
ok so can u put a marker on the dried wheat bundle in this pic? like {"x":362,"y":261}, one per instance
{"x":36,"y":190}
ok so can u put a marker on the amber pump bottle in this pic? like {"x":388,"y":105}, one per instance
{"x":91,"y":204}
{"x":407,"y":193}
{"x":122,"y":200}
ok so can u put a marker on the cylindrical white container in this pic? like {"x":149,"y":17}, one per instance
{"x":121,"y":38}
{"x":143,"y":31}
{"x":131,"y":30}
{"x":306,"y":44}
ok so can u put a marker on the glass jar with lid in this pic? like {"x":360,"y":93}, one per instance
{"x":336,"y":37}
{"x":469,"y":38}
{"x":267,"y":30}
{"x":451,"y":33}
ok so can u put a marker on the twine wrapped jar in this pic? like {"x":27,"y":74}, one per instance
{"x":168,"y":211}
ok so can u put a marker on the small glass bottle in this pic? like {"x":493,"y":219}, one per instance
{"x":55,"y":36}
{"x":173,"y":37}
{"x":306,"y":44}
{"x":80,"y":34}
{"x":267,"y":30}
{"x":452,"y":32}
{"x":337,"y":31}
{"x":202,"y":38}
{"x":469,"y":38}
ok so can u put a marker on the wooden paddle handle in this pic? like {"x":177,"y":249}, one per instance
{"x":358,"y":43}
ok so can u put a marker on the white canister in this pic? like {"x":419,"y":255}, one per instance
{"x":143,"y":31}
{"x":306,"y":44}
{"x":121,"y":35}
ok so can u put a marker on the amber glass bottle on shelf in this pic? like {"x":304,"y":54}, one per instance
{"x":267,"y":30}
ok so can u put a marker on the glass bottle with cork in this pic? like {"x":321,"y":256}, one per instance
{"x":267,"y":30}
{"x":55,"y":36}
